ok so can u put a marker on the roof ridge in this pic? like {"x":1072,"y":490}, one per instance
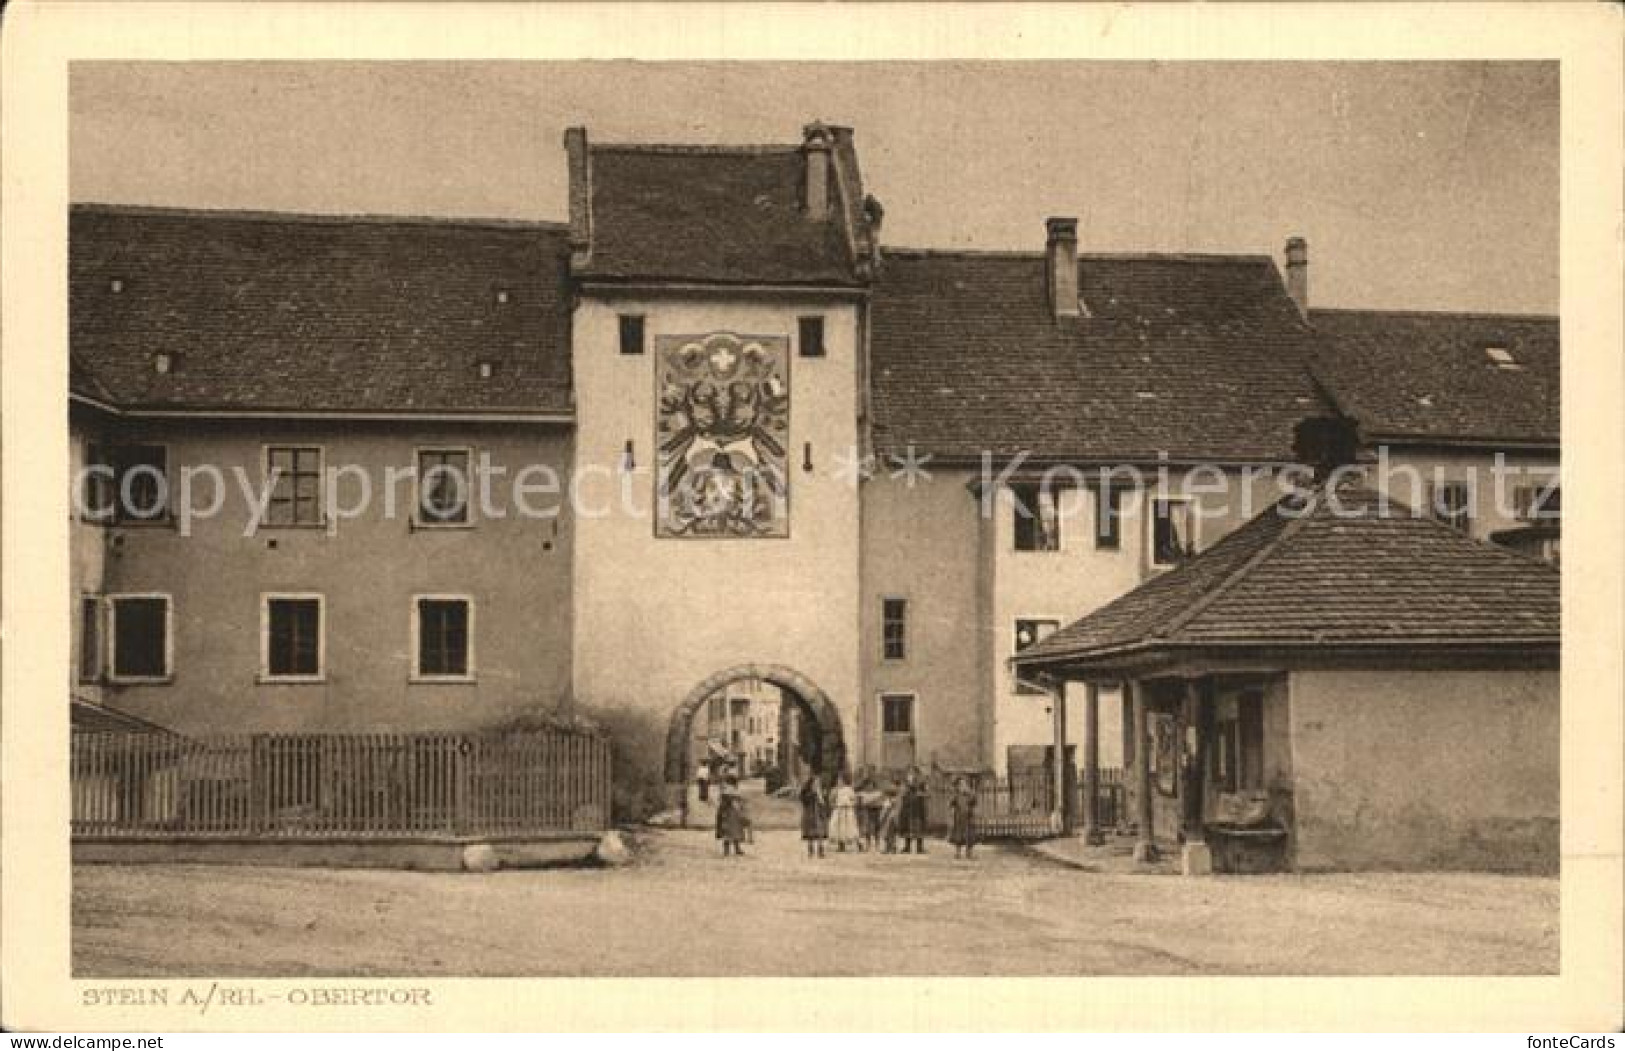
{"x":697,"y":148}
{"x":1488,"y":315}
{"x":1036,"y":254}
{"x":313,"y":218}
{"x":1253,"y":561}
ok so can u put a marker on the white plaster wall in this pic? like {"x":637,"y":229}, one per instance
{"x":1426,"y":769}
{"x":656,"y":616}
{"x":1079,"y":578}
{"x":1397,"y":473}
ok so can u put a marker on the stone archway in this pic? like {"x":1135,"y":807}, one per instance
{"x":831,"y":741}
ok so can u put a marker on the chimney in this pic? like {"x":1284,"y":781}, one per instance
{"x":575,"y":151}
{"x":1297,"y":273}
{"x":1061,"y":265}
{"x":815,"y":147}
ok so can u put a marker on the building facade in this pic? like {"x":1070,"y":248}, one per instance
{"x":707,"y":432}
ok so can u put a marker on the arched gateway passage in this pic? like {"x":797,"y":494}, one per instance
{"x":829,"y":744}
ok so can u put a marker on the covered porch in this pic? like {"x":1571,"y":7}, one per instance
{"x":1340,"y":683}
{"x":1208,"y":764}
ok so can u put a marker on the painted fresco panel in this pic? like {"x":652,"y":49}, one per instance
{"x":722,"y":423}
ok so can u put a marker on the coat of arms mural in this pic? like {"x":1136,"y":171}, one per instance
{"x":722,"y":427}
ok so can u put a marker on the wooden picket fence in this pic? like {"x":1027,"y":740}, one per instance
{"x":1113,"y":805}
{"x":1020,"y":806}
{"x":325,"y":785}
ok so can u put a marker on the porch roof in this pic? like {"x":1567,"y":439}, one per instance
{"x":1333,"y":572}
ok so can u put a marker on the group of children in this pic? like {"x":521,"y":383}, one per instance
{"x":867,"y":816}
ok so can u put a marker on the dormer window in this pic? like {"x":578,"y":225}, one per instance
{"x":487,"y":369}
{"x":163,"y":363}
{"x":1501,"y":357}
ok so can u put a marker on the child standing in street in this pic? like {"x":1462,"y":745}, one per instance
{"x":843,"y":815}
{"x":731,"y":819}
{"x":888,"y":818}
{"x":962,"y":819}
{"x":813,"y":815}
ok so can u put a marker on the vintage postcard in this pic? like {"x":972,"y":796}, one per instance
{"x":527,"y":498}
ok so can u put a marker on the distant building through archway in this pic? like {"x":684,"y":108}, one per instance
{"x":809,"y":728}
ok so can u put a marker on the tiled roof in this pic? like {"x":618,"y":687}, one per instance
{"x":309,"y":313}
{"x":1427,"y":376}
{"x":713,"y":215}
{"x":1198,"y":357}
{"x":1360,"y":570}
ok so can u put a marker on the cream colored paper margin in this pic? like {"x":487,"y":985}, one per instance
{"x":39,"y":40}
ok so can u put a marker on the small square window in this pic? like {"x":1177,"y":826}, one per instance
{"x":631,"y":333}
{"x":1037,"y":520}
{"x":1173,"y":531}
{"x":444,"y":637}
{"x":443,"y":485}
{"x":296,"y":492}
{"x":897,"y":713}
{"x":812,"y":337}
{"x":1031,"y":630}
{"x":293,"y":637}
{"x":1452,"y":504}
{"x":140,"y":637}
{"x":1539,"y":503}
{"x":127,"y":483}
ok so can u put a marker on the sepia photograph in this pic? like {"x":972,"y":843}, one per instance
{"x":725,"y":519}
{"x":809,"y":518}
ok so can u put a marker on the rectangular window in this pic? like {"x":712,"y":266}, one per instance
{"x":127,"y":483}
{"x":292,"y":626}
{"x":444,"y":638}
{"x":1037,"y":524}
{"x":894,"y":628}
{"x":1028,"y":631}
{"x":140,"y":631}
{"x":1173,"y":531}
{"x":1108,"y":517}
{"x":443,"y":485}
{"x":1539,"y":503}
{"x":1452,"y":504}
{"x":295,"y":472}
{"x":631,"y":333}
{"x":811,"y":331}
{"x":897,"y":713}
{"x":90,"y":638}
{"x":1238,"y":757}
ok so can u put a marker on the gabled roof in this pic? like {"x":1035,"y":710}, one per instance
{"x":1357,"y":570}
{"x":728,"y":215}
{"x":1198,"y":357}
{"x":1426,"y":376}
{"x":275,"y":312}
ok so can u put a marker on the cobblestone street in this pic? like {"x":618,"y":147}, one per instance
{"x":682,"y":909}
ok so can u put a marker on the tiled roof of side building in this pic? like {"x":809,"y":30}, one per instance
{"x":724,"y":215}
{"x":1431,"y":376}
{"x":1196,"y":357}
{"x":277,"y":312}
{"x":1357,"y":570}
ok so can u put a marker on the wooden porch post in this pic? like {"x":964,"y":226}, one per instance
{"x":1092,"y":834}
{"x":1059,"y":811}
{"x":1196,"y":859}
{"x":1145,"y":847}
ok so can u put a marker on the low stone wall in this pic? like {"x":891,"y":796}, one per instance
{"x":427,"y":854}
